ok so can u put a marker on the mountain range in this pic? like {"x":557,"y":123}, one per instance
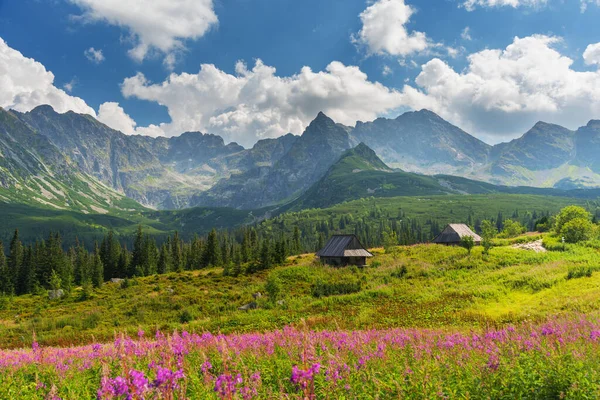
{"x":72,"y":161}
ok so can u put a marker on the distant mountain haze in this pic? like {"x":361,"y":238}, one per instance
{"x":198,"y":169}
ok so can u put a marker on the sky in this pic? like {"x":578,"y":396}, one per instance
{"x":254,"y":69}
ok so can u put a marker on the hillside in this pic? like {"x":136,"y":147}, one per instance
{"x":440,"y":287}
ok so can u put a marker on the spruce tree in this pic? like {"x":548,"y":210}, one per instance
{"x":164,"y":260}
{"x":137,"y":254}
{"x":15,"y":261}
{"x":176,"y":253}
{"x":97,"y":269}
{"x":211,"y":257}
{"x":5,"y":287}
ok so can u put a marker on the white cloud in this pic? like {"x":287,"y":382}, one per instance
{"x":113,"y":115}
{"x":69,"y":86}
{"x":386,"y":71}
{"x":257,"y":103}
{"x":584,"y":4}
{"x":157,"y":25}
{"x":95,"y":56}
{"x":502,"y":93}
{"x":472,"y":4}
{"x":591,"y":55}
{"x":466,"y":34}
{"x":26,"y":84}
{"x":384,"y":30}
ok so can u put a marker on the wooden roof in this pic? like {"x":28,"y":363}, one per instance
{"x":343,"y":246}
{"x":453,"y":233}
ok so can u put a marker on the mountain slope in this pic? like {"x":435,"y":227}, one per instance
{"x":307,"y":160}
{"x":33,"y":171}
{"x":157,"y":172}
{"x":422,"y":141}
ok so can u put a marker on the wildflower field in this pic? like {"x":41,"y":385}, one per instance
{"x":555,"y":359}
{"x":421,"y":321}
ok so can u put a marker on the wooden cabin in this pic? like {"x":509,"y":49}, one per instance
{"x":453,"y":234}
{"x":343,"y":250}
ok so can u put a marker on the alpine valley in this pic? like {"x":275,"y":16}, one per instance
{"x":71,"y":164}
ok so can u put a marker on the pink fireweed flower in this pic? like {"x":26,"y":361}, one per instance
{"x":167,"y":379}
{"x":226,"y":385}
{"x":115,"y":387}
{"x":302,"y":378}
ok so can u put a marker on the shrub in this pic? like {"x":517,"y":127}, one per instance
{"x":185,"y":317}
{"x":511,"y":229}
{"x":579,"y":272}
{"x":400,"y":272}
{"x":273,"y":287}
{"x":577,"y":230}
{"x":324,"y":289}
{"x":568,"y":214}
{"x":468,"y":243}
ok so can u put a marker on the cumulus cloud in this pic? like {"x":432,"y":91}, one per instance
{"x":27,"y":84}
{"x":591,"y":55}
{"x":113,"y":115}
{"x":502,"y":93}
{"x":95,"y":56}
{"x":256,"y":103}
{"x":472,"y":4}
{"x":384,"y":30}
{"x":158,"y":25}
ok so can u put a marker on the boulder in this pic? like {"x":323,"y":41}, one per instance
{"x":55,"y":294}
{"x":249,"y":306}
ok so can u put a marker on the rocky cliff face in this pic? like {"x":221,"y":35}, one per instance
{"x":422,"y":141}
{"x":159,"y":172}
{"x":306,"y":161}
{"x":196,"y":169}
{"x":34,"y":171}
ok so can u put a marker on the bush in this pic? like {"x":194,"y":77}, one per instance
{"x":324,"y":289}
{"x":577,"y":230}
{"x":400,"y":272}
{"x":186,"y":317}
{"x":273,"y":287}
{"x":468,"y":243}
{"x":579,"y":272}
{"x":568,"y":214}
{"x":511,"y":229}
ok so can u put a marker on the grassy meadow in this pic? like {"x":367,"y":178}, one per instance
{"x":427,"y":286}
{"x":423,"y":321}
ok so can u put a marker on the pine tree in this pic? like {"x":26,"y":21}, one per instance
{"x":30,"y":273}
{"x":266,"y":258}
{"x":297,"y":245}
{"x":210,"y":257}
{"x":5,"y":287}
{"x":164,"y":260}
{"x":15,"y":261}
{"x":110,"y":252}
{"x":176,"y":253}
{"x":137,"y":257}
{"x":97,"y":269}
{"x":55,"y":283}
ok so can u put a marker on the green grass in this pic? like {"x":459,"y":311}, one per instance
{"x":441,"y":287}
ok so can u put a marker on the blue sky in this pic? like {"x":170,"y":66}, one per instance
{"x":378,"y":71}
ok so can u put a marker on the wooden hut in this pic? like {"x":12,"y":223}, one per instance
{"x":342,"y":250}
{"x":453,"y":234}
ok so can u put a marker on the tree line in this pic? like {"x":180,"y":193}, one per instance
{"x":46,"y":265}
